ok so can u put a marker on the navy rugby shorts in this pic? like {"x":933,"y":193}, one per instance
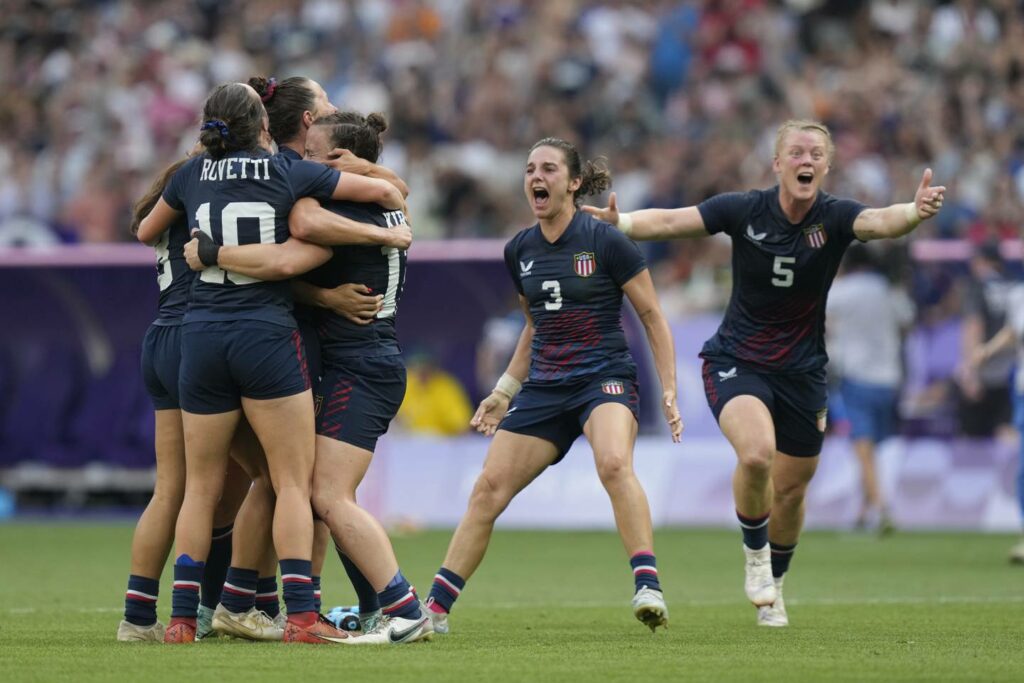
{"x":557,"y":412}
{"x":357,"y":398}
{"x":225,"y":360}
{"x":796,"y":402}
{"x":161,"y":361}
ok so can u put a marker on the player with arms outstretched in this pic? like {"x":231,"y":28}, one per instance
{"x":575,"y":372}
{"x":764,"y":370}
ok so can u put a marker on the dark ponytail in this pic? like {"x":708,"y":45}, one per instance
{"x":232,"y":121}
{"x":286,"y":102}
{"x":594,"y":175}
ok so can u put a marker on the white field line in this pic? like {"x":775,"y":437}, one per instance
{"x":595,"y":604}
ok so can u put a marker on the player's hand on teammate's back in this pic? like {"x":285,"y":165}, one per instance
{"x":671,"y":411}
{"x":489,"y":413}
{"x":928,"y":198}
{"x":400,"y":236}
{"x":609,"y":214}
{"x":354,"y":302}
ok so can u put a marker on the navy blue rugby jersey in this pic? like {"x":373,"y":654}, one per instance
{"x":173,"y":274}
{"x":244,"y":198}
{"x":574,"y":287}
{"x":782,"y":272}
{"x":382,"y":269}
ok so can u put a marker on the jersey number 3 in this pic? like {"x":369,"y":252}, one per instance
{"x":555,"y":292}
{"x":784,"y":272}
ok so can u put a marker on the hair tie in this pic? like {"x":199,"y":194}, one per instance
{"x":271,"y":88}
{"x":219,"y":125}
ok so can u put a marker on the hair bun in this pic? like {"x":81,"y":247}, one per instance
{"x":377,"y":121}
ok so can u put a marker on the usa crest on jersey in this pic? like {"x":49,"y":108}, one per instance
{"x":584,"y":263}
{"x":816,"y":235}
{"x":613,"y":387}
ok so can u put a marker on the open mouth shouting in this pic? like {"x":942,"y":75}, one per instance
{"x":541,"y":198}
{"x":805,"y":178}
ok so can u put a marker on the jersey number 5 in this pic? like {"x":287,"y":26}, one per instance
{"x":785,"y":274}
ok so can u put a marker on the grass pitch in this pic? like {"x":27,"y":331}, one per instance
{"x":554,"y":606}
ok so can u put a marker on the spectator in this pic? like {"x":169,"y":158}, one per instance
{"x":866,"y":321}
{"x":435,"y":402}
{"x":984,"y":396}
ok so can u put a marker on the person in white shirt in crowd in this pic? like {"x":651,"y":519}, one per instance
{"x":866,"y":318}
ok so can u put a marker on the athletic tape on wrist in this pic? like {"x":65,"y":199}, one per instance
{"x":625,"y":223}
{"x":910,"y":212}
{"x":508,"y":386}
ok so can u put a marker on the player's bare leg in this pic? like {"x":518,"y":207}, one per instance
{"x":611,"y":430}
{"x":285,"y":429}
{"x":154,"y":532}
{"x":513,"y":461}
{"x":790,"y":477}
{"x":339,"y":469}
{"x":207,"y":443}
{"x":747,"y":424}
{"x":321,"y":539}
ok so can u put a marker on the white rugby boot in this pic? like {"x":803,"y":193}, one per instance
{"x":251,"y":625}
{"x":759,"y":584}
{"x":774,"y":614}
{"x":127,"y":632}
{"x":439,"y":620}
{"x":395,"y":631}
{"x":650,"y":608}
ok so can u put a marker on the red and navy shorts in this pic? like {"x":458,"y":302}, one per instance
{"x":556,"y":412}
{"x":223,"y":361}
{"x":797,"y":402}
{"x":357,"y":398}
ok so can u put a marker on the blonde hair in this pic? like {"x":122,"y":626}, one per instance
{"x":801,"y":125}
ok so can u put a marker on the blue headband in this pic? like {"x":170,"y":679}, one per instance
{"x":219,"y":125}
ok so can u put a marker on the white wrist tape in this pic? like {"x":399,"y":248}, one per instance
{"x":508,"y":386}
{"x":910,"y":211}
{"x":625,"y":223}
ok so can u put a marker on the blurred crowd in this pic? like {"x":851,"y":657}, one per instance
{"x":682,"y":97}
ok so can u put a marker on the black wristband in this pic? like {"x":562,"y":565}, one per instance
{"x":208,"y":250}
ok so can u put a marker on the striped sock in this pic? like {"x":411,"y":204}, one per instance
{"x":140,"y":600}
{"x":645,"y":570}
{"x":298,"y":587}
{"x":187,"y":576}
{"x":266,"y":596}
{"x":368,"y":601}
{"x":239,"y":594}
{"x":317,"y":602}
{"x":446,"y":589}
{"x":217,"y":564}
{"x":781,"y":556}
{"x":399,"y":600}
{"x":755,"y":530}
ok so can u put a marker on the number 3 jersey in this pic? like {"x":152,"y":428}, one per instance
{"x":781,"y":272}
{"x":574,"y":288}
{"x":244,"y":198}
{"x":382,"y":269}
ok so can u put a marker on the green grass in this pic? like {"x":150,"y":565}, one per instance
{"x":554,"y":607}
